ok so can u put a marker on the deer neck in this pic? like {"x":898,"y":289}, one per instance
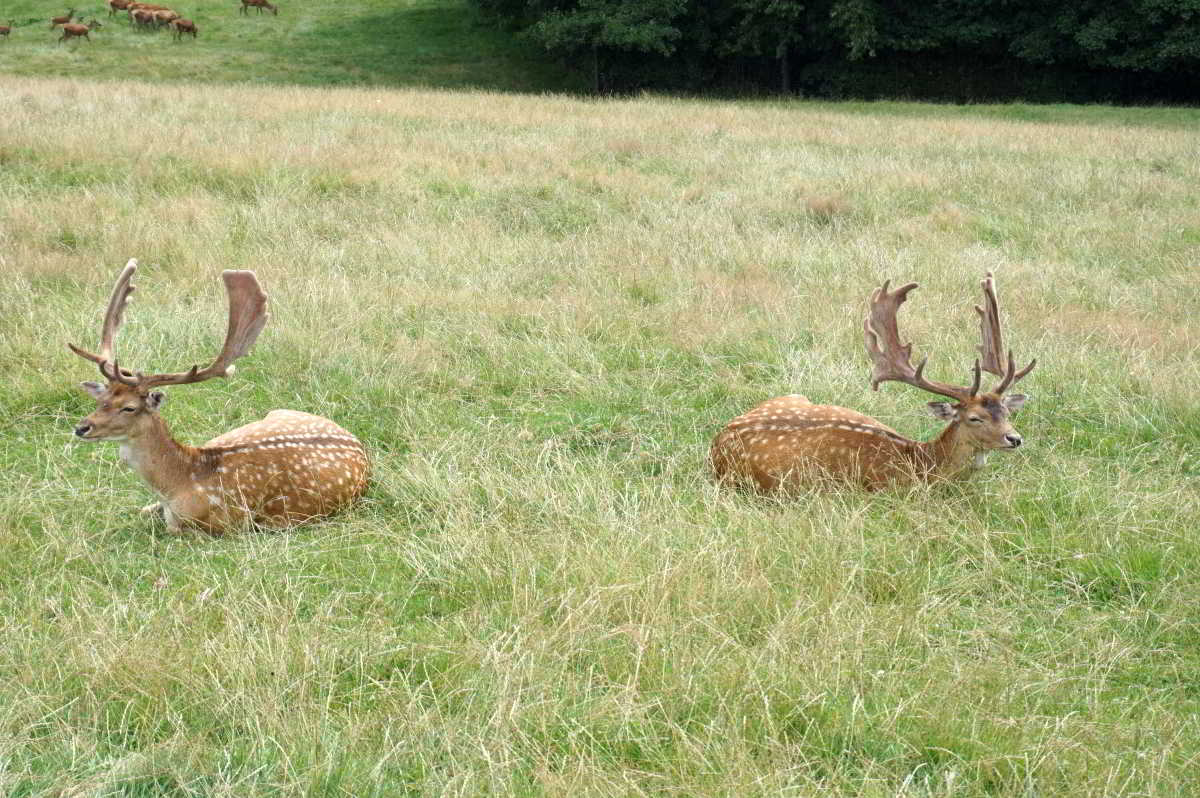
{"x":164,"y":463}
{"x":950,"y":454}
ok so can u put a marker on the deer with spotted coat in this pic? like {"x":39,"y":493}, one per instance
{"x":286,"y":469}
{"x":788,"y":442}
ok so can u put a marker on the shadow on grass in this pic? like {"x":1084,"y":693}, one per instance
{"x":428,"y":45}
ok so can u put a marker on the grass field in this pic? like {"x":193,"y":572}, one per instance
{"x":439,"y":43}
{"x":536,"y":312}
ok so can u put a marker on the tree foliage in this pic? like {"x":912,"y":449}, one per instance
{"x":646,"y":26}
{"x":696,"y":44}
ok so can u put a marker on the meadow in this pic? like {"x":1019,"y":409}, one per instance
{"x":536,"y":312}
{"x":440,"y":43}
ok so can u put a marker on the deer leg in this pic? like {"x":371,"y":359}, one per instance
{"x":154,"y":511}
{"x":173,"y":523}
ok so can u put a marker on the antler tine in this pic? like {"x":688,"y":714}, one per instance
{"x":113,"y":317}
{"x":247,"y":316}
{"x":1011,"y":375}
{"x":891,"y":358}
{"x":992,"y":348}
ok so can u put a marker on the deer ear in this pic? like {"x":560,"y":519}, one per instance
{"x":155,"y":400}
{"x":94,"y":389}
{"x":1015,"y":401}
{"x":943,"y":410}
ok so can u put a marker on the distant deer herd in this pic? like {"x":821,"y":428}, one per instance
{"x":293,"y":467}
{"x":143,"y":16}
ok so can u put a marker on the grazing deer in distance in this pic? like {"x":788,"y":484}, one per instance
{"x":788,"y":441}
{"x":164,"y":17}
{"x":7,"y":29}
{"x":72,"y":31}
{"x":141,"y":17}
{"x":260,"y":5}
{"x":286,"y":469}
{"x":63,"y":20}
{"x":183,"y":26}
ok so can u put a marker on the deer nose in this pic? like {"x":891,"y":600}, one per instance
{"x":83,"y":429}
{"x":1014,"y":440}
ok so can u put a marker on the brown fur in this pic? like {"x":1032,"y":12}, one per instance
{"x":183,"y":26}
{"x":63,"y":20}
{"x":73,"y":31}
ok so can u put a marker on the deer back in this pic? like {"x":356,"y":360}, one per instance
{"x":790,"y":440}
{"x":288,"y":468}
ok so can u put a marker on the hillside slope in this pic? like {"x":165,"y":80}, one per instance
{"x":439,"y":43}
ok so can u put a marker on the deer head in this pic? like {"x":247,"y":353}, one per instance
{"x":127,"y":400}
{"x":983,"y":417}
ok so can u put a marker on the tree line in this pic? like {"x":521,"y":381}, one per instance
{"x":963,"y":50}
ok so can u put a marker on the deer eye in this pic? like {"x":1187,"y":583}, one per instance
{"x":128,"y":409}
{"x":974,"y":420}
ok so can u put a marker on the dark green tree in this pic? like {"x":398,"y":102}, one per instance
{"x":598,"y":27}
{"x":771,"y":28}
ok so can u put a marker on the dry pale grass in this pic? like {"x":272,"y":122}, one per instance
{"x":536,"y":311}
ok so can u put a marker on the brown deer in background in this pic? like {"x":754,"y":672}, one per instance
{"x":63,"y":20}
{"x":260,"y":5}
{"x":6,"y":29}
{"x":286,"y":469}
{"x":183,"y":26}
{"x":73,"y":31}
{"x":789,"y":441}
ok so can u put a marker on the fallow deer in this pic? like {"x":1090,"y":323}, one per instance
{"x":141,"y":17}
{"x":117,"y":5}
{"x":63,"y":20}
{"x":260,"y":5}
{"x":286,"y":469}
{"x":164,"y":17}
{"x":789,"y":441}
{"x":142,"y":14}
{"x":183,"y":26}
{"x":72,"y":31}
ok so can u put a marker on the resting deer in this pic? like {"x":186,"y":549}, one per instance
{"x":72,"y":31}
{"x":286,"y":469}
{"x":788,"y":441}
{"x":183,"y":26}
{"x":260,"y":5}
{"x":63,"y":20}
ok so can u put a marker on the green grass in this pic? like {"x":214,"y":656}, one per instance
{"x":442,"y":43}
{"x":536,"y":312}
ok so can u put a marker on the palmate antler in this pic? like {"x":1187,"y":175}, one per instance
{"x":892,"y":359}
{"x":992,"y":348}
{"x":247,"y":316}
{"x":112,"y":322}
